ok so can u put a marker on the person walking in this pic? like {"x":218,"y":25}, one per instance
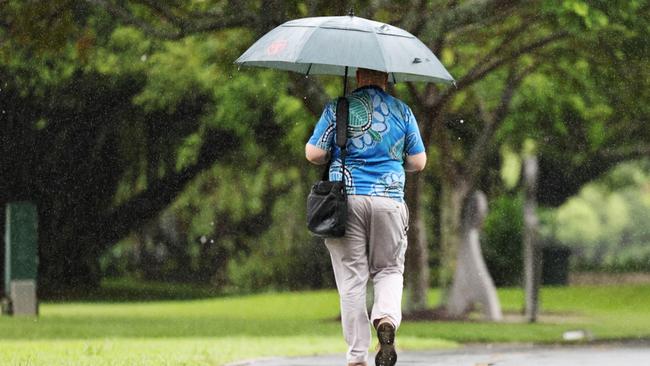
{"x":383,"y":142}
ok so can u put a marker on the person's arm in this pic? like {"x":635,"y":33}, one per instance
{"x":316,"y":155}
{"x":317,"y":150}
{"x":415,"y":157}
{"x":415,"y":163}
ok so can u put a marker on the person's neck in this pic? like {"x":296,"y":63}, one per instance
{"x":370,"y":84}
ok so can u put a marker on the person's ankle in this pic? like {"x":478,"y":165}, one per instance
{"x":381,"y":321}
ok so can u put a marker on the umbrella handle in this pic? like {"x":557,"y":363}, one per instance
{"x":345,"y":82}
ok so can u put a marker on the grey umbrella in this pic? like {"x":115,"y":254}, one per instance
{"x":340,"y":45}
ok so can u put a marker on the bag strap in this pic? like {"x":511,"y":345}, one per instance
{"x":342,"y":113}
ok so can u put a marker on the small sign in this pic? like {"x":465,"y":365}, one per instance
{"x":276,"y":47}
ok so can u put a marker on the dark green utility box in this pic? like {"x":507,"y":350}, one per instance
{"x":21,"y":257}
{"x":555,"y":265}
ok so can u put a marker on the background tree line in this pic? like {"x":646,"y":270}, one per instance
{"x":128,"y":124}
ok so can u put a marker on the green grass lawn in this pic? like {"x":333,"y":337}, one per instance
{"x":198,"y":330}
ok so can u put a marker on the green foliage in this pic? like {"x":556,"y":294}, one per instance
{"x":502,"y":240}
{"x":183,"y":70}
{"x":125,"y":52}
{"x":511,"y":163}
{"x":286,"y":256}
{"x":42,"y":26}
{"x":291,"y":114}
{"x":581,"y":14}
{"x":227,"y":209}
{"x":223,"y":208}
{"x":606,"y":223}
{"x":99,"y":111}
{"x":576,"y":100}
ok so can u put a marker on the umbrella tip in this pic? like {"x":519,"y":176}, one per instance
{"x":351,"y":12}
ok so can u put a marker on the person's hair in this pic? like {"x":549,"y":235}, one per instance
{"x":374,"y":74}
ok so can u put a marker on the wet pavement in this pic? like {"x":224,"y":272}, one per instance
{"x":600,"y":355}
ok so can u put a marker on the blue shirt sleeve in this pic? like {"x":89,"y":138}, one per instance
{"x":414,"y":144}
{"x":323,"y":136}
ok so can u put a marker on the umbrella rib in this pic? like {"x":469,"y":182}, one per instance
{"x":346,"y":29}
{"x":382,"y":53}
{"x":308,"y":69}
{"x":395,"y":35}
{"x":306,"y":40}
{"x":298,"y":26}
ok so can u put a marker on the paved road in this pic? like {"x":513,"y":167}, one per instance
{"x":602,"y":355}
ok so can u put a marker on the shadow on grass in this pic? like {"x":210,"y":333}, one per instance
{"x":131,"y":290}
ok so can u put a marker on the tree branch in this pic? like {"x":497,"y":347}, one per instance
{"x":146,"y":205}
{"x":485,"y":66}
{"x":419,"y":98}
{"x":474,"y":164}
{"x":560,"y":179}
{"x":440,"y":135}
{"x":506,"y":40}
{"x":123,"y":14}
{"x":439,"y":41}
{"x":626,"y":153}
{"x":473,"y":12}
{"x":184,"y":25}
{"x":314,"y":96}
{"x":430,"y":93}
{"x":420,"y":21}
{"x":163,"y":11}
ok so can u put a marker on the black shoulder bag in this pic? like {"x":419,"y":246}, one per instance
{"x":327,"y":206}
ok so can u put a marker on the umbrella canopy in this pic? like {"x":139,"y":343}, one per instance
{"x":336,"y":45}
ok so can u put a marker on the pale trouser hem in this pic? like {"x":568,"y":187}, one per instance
{"x":387,"y":288}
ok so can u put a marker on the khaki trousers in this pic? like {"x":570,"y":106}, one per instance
{"x":373,"y":247}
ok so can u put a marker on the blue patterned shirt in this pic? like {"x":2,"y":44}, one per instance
{"x":382,"y":131}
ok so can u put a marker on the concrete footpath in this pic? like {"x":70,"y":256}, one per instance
{"x":598,"y":355}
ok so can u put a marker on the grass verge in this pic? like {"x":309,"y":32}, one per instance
{"x":218,"y":330}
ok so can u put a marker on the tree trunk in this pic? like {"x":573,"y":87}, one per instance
{"x":417,"y":254}
{"x":2,"y":247}
{"x":472,"y":282}
{"x":451,"y":198}
{"x":532,"y":257}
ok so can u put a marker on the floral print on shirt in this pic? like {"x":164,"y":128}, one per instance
{"x":382,"y":131}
